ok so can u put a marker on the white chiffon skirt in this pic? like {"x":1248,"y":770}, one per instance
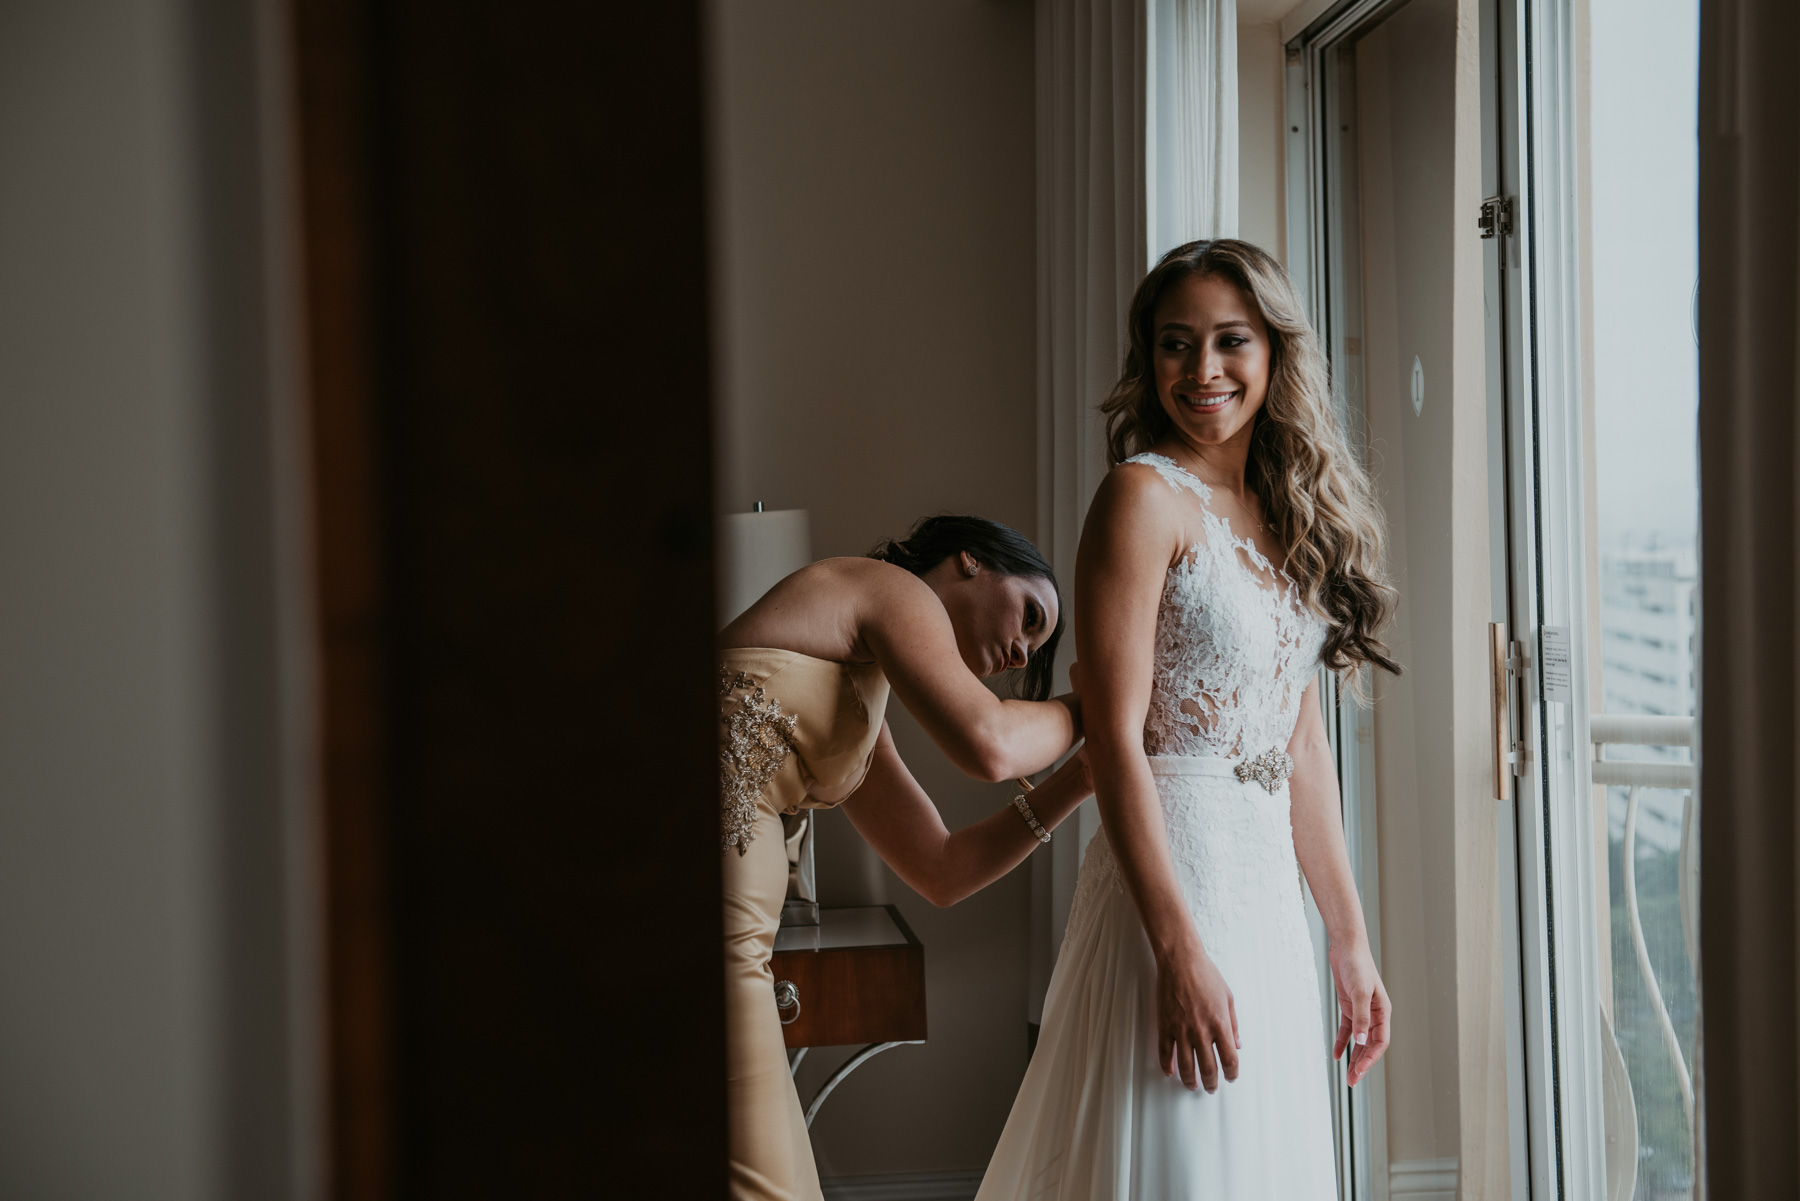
{"x":1096,"y":1119}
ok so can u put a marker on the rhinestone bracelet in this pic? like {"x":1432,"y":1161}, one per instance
{"x":1031,"y":820}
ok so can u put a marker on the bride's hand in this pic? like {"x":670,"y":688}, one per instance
{"x":1194,"y":1015}
{"x":1363,"y":1009}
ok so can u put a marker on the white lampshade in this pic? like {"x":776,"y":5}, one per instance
{"x":758,"y":551}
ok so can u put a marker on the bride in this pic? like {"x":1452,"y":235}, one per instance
{"x":1233,"y":549}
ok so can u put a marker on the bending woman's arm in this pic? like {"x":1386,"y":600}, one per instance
{"x":906,"y":629}
{"x":1126,"y":548}
{"x":895,"y":816}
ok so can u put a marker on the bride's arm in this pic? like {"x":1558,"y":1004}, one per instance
{"x":1131,"y":536}
{"x":894,"y":816}
{"x":1317,"y":814}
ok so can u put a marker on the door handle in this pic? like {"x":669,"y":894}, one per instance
{"x":1501,"y":739}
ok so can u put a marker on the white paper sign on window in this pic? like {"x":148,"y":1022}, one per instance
{"x":1555,"y":662}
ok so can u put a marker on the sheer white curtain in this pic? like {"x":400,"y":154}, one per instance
{"x":1091,"y":241}
{"x":1136,"y":153}
{"x":1191,"y":123}
{"x":1091,"y":77}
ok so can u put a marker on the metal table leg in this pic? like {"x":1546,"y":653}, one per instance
{"x":794,"y":1058}
{"x":850,"y":1065}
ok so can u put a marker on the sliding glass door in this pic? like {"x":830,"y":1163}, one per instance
{"x":1491,"y":208}
{"x":1600,"y":330}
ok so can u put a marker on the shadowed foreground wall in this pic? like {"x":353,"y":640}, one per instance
{"x":1750,"y":639}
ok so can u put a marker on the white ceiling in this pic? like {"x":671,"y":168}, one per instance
{"x":1263,"y":12}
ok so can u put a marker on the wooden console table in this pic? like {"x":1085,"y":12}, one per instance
{"x":856,"y":977}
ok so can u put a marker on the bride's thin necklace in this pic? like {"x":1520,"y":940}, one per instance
{"x":1261,"y":526}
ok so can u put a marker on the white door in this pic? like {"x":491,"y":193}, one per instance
{"x":1598,"y":109}
{"x":1383,"y":104}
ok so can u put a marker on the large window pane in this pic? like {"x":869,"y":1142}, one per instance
{"x":1644,"y":170}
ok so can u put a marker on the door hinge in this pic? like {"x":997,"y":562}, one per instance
{"x":1496,"y":217}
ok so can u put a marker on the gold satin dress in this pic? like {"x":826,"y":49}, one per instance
{"x":795,"y":733}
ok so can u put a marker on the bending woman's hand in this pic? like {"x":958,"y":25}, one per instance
{"x":1362,"y":1009}
{"x":895,"y":816}
{"x":1196,"y":1020}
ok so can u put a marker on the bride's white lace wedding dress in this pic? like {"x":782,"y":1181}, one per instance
{"x":1096,"y":1119}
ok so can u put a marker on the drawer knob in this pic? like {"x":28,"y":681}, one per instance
{"x":787,"y":996}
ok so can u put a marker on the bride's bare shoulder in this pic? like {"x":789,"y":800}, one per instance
{"x":1135,"y":507}
{"x":1138,"y":490}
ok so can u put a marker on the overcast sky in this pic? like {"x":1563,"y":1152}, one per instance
{"x":1645,"y":68}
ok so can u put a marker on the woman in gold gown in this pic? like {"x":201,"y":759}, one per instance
{"x":804,"y":679}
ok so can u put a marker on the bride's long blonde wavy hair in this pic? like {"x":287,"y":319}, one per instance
{"x":1315,"y":495}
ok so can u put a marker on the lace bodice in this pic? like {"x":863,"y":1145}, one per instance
{"x":1235,"y":649}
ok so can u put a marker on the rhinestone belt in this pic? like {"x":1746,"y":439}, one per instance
{"x":1269,"y":769}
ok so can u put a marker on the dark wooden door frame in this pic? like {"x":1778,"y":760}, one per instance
{"x":332,"y":74}
{"x":504,"y":216}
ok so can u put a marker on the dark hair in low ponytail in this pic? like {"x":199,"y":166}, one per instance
{"x":996,"y":547}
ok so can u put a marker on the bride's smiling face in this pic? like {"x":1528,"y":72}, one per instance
{"x":1211,"y":352}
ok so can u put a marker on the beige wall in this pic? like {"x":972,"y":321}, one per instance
{"x":156,"y":1034}
{"x":1262,"y":142}
{"x":875,"y":259}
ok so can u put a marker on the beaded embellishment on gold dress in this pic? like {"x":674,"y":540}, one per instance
{"x":758,"y":739}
